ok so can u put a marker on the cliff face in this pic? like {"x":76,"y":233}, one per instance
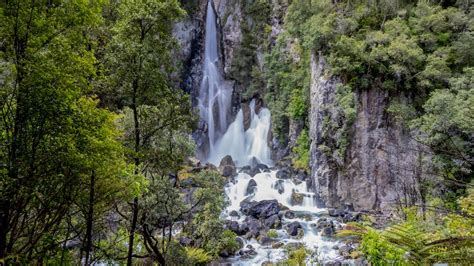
{"x":381,"y":168}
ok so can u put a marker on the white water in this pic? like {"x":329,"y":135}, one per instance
{"x":307,"y":214}
{"x":227,"y":138}
{"x":214,"y":99}
{"x":214,"y":105}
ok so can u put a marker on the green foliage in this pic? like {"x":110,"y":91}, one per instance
{"x":272,"y":233}
{"x":301,"y":151}
{"x":421,"y":241}
{"x":296,"y":257}
{"x":197,"y":256}
{"x":447,"y":124}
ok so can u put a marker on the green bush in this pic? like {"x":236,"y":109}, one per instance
{"x":301,"y":151}
{"x":272,"y":233}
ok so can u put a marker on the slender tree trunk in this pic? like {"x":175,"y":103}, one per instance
{"x":136,"y":121}
{"x":4,"y":218}
{"x":90,"y":219}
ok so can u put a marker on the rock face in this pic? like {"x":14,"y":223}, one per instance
{"x":381,"y":163}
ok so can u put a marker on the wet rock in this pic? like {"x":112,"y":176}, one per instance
{"x":265,"y":240}
{"x":240,"y":242}
{"x":272,"y":222}
{"x":267,"y":263}
{"x":351,"y":217}
{"x":333,"y":212}
{"x":260,"y":209}
{"x":297,"y":198}
{"x":233,"y":226}
{"x":246,"y":114}
{"x":251,"y":187}
{"x":300,"y":233}
{"x":277,"y":245}
{"x":327,"y":231}
{"x":227,"y":167}
{"x":247,"y":253}
{"x":293,"y":245}
{"x":252,"y":226}
{"x":234,"y":214}
{"x":292,"y":228}
{"x":283,"y":174}
{"x":279,"y":186}
{"x":283,"y":207}
{"x":290,"y":215}
{"x":255,"y":167}
{"x":346,"y":250}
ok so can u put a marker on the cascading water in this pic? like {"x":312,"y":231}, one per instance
{"x":250,"y":147}
{"x":214,"y":99}
{"x":214,"y":105}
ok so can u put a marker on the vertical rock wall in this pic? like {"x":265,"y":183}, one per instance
{"x":381,"y":168}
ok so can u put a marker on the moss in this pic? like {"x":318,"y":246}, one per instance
{"x":272,"y":233}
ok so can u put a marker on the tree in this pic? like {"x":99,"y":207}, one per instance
{"x":139,"y":61}
{"x":47,"y":65}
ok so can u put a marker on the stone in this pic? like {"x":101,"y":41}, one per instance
{"x":333,"y":212}
{"x":327,"y":231}
{"x":300,"y":233}
{"x":265,"y":240}
{"x":255,"y":167}
{"x":246,"y":114}
{"x":233,"y":226}
{"x":234,"y":214}
{"x":277,"y":245}
{"x":293,"y":227}
{"x":279,"y":186}
{"x":251,"y":187}
{"x":227,"y":167}
{"x":272,"y":222}
{"x":252,"y":226}
{"x":260,"y":209}
{"x":293,"y":245}
{"x":240,"y":242}
{"x":296,"y":198}
{"x":290,"y":214}
{"x":283,"y":174}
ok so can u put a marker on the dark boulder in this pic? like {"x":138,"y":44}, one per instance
{"x":283,"y":174}
{"x":279,"y":186}
{"x":255,"y":167}
{"x":290,"y":215}
{"x":293,"y":227}
{"x":234,"y":214}
{"x":233,"y":226}
{"x":227,"y":167}
{"x":251,"y":226}
{"x":272,"y":222}
{"x":297,"y":198}
{"x":260,"y":209}
{"x":251,"y":187}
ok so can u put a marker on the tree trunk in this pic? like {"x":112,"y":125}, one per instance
{"x":136,"y":121}
{"x":90,"y":219}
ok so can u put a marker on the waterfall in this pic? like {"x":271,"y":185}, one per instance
{"x":247,"y":146}
{"x":214,"y":105}
{"x":214,"y":99}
